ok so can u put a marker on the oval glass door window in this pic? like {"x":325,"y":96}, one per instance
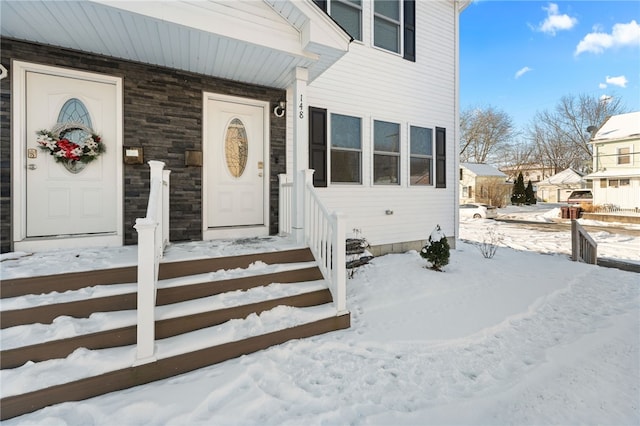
{"x":236,"y":147}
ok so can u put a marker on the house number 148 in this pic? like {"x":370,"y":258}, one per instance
{"x":301,"y":108}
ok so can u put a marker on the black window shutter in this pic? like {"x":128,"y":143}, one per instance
{"x":410,"y":30}
{"x":322,"y":4}
{"x":318,"y":145}
{"x":441,"y":157}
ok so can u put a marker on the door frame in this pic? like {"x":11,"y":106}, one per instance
{"x":19,"y":161}
{"x":232,"y":231}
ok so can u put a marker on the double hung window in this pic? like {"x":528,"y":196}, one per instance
{"x":421,"y":159}
{"x":386,"y":153}
{"x":346,"y":149}
{"x":347,"y":13}
{"x":624,"y":155}
{"x":387,"y":24}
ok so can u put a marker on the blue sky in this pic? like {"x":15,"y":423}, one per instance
{"x":523,"y":56}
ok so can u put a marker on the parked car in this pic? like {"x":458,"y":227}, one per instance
{"x":580,"y":196}
{"x":478,"y":210}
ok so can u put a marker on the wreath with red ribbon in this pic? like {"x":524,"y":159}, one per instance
{"x":67,"y":151}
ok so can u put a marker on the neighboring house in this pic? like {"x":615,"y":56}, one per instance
{"x":530,"y":172}
{"x":557,"y":188}
{"x":230,"y":95}
{"x":482,"y":183}
{"x":616,"y":162}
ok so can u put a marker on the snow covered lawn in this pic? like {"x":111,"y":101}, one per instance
{"x":526,"y":338}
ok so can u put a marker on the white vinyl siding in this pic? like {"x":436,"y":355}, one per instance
{"x":374,"y":85}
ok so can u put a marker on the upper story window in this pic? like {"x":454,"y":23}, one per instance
{"x":347,"y":13}
{"x":386,"y":153}
{"x":624,"y":155}
{"x":387,"y":24}
{"x":394,"y":22}
{"x":421,"y":159}
{"x":346,"y":149}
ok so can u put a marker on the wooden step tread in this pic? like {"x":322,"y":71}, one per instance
{"x":16,"y":357}
{"x":84,"y":308}
{"x":125,"y":378}
{"x":76,"y":280}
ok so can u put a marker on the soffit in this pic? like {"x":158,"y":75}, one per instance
{"x":243,"y":41}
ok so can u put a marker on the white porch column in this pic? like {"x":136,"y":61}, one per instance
{"x":300,"y":150}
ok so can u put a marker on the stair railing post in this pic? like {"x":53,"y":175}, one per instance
{"x":165,"y":209}
{"x":146,"y":291}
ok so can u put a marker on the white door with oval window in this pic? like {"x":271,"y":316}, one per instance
{"x":70,"y":199}
{"x":234,"y":163}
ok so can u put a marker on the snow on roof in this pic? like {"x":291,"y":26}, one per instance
{"x":565,"y":177}
{"x":619,"y":127}
{"x":482,"y":169}
{"x":615,"y":173}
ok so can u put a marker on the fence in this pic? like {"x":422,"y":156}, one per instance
{"x":324,"y":232}
{"x":583,"y":247}
{"x":612,"y":209}
{"x":153,"y":236}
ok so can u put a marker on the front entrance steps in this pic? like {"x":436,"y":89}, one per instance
{"x":207,"y":311}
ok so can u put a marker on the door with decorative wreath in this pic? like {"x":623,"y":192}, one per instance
{"x":71,"y":158}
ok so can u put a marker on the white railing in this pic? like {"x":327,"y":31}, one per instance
{"x":284,"y":203}
{"x":153,"y":236}
{"x":324,"y":233}
{"x":583,"y":247}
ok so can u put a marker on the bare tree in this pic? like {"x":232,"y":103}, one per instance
{"x":560,"y":136}
{"x":484,"y":132}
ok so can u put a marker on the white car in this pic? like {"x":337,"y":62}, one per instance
{"x":478,"y":210}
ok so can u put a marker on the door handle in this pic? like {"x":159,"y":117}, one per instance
{"x":32,"y":167}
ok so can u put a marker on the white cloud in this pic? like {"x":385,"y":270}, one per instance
{"x":602,"y":86}
{"x":556,"y":22}
{"x":522,"y":71}
{"x":621,"y":35}
{"x":617,"y":81}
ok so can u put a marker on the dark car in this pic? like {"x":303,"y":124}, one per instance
{"x":581,"y":196}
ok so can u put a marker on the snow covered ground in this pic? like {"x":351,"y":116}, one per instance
{"x":526,"y":337}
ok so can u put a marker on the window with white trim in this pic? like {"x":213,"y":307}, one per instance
{"x":421,"y":156}
{"x":346,"y":149}
{"x":347,"y":13}
{"x":387,"y":24}
{"x":386,"y":153}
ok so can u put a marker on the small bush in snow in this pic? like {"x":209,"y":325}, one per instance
{"x":436,"y":251}
{"x":489,"y":244}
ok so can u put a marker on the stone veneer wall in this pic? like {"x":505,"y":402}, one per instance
{"x":163,"y":114}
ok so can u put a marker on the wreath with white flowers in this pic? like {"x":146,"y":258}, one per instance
{"x":69,"y":152}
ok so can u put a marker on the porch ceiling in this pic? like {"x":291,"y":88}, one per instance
{"x":254,"y":42}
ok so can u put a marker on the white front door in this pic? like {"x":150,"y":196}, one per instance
{"x":235,"y":164}
{"x":58,"y":201}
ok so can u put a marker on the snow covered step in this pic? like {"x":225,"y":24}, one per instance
{"x":110,"y":370}
{"x":15,"y":287}
{"x":83,"y":308}
{"x":307,"y":294}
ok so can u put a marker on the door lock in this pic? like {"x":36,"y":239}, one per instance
{"x":32,"y":167}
